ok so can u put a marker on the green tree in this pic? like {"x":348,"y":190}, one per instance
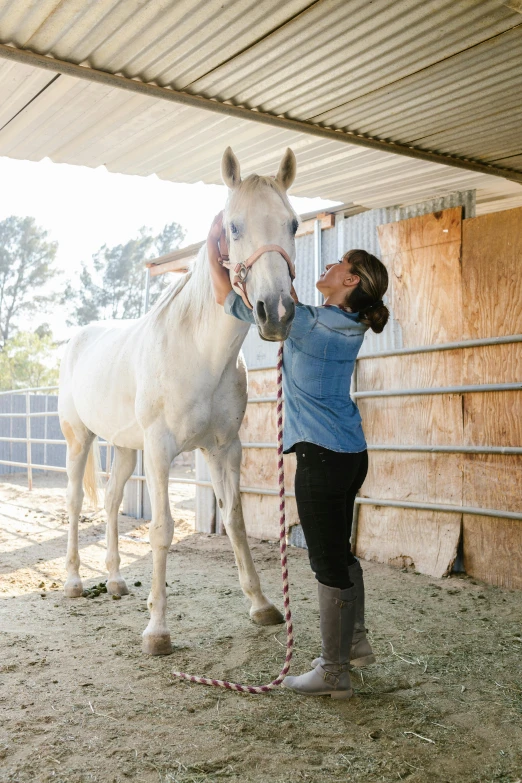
{"x":29,"y":359}
{"x":113,"y":285}
{"x":26,"y":267}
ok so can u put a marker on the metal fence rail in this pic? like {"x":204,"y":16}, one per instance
{"x":421,"y":448}
{"x":507,"y":340}
{"x":445,"y":507}
{"x":425,"y":390}
{"x":471,"y":389}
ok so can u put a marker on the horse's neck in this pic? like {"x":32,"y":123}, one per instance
{"x":194,"y":315}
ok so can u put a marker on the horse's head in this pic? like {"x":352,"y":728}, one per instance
{"x":258,"y":215}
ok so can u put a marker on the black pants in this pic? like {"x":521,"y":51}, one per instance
{"x":326,"y":483}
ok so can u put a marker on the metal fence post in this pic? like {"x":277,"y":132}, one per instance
{"x":318,"y":261}
{"x":28,"y":439}
{"x":46,"y":433}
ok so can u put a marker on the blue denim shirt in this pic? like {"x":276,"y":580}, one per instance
{"x":319,"y":357}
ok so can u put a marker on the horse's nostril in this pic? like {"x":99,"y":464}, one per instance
{"x":261,"y":312}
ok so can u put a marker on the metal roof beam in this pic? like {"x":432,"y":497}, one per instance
{"x":240,"y":112}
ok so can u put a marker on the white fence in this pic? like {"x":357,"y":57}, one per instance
{"x":31,"y":439}
{"x":30,"y":435}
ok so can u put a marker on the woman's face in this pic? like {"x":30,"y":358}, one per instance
{"x":337,"y":278}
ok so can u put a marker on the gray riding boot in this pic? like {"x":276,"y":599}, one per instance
{"x":361,"y":653}
{"x":331,"y":677}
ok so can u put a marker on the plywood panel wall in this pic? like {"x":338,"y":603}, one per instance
{"x":492,"y":280}
{"x":431,"y":420}
{"x":423,"y":260}
{"x":424,"y":540}
{"x":492,"y":274}
{"x":493,"y":550}
{"x":415,"y":477}
{"x":261,"y":514}
{"x":260,"y":423}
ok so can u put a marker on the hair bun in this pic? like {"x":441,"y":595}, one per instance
{"x":375,"y":316}
{"x":374,"y":306}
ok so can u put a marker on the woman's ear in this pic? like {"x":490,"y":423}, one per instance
{"x":351,"y":280}
{"x":230,"y":169}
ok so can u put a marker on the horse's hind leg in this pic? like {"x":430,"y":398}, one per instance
{"x":123,"y":465}
{"x":225,"y":465}
{"x":79,"y":440}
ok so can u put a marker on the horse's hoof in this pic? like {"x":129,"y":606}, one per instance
{"x":268,"y":616}
{"x":117,"y":587}
{"x":73,"y":588}
{"x":156,"y":644}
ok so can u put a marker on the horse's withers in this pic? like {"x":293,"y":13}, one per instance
{"x":258,"y":214}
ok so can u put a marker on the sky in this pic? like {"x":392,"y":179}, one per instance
{"x":84,"y":208}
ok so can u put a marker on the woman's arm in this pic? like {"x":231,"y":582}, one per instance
{"x":219,"y":275}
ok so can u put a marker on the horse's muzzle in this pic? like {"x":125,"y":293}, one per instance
{"x":274,"y":317}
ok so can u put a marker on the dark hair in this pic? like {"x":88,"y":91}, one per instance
{"x":366,"y":298}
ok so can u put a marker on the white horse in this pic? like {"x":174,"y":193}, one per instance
{"x":175,"y":381}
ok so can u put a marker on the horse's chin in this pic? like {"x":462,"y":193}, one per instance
{"x":268,"y":339}
{"x":274,"y":334}
{"x":273,"y":317}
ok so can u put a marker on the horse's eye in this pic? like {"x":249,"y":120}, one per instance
{"x":295,"y":226}
{"x":234,"y":230}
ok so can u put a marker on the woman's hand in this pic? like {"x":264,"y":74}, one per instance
{"x":213,"y":237}
{"x":216,"y":228}
{"x":220,"y":276}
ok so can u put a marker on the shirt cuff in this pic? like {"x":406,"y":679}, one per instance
{"x":229,"y":301}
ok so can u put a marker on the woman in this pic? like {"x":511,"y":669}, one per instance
{"x":323,"y":426}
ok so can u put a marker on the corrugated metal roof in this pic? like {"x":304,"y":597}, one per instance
{"x":440,"y":76}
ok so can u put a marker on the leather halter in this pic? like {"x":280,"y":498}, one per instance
{"x":243,"y":268}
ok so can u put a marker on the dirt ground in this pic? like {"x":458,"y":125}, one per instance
{"x":80,"y":704}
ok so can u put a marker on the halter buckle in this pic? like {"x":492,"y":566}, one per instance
{"x":242,"y":273}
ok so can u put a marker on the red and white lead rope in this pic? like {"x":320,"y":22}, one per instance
{"x":234,"y":686}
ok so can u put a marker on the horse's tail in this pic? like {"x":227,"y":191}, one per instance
{"x":90,"y":477}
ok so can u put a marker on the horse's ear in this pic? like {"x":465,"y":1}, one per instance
{"x":230,"y":169}
{"x":287,"y":168}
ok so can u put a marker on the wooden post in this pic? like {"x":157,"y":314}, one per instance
{"x":206,"y":516}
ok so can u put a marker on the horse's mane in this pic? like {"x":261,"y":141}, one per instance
{"x":193,"y":293}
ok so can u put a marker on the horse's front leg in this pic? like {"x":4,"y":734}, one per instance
{"x":159,"y":452}
{"x":225,"y":464}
